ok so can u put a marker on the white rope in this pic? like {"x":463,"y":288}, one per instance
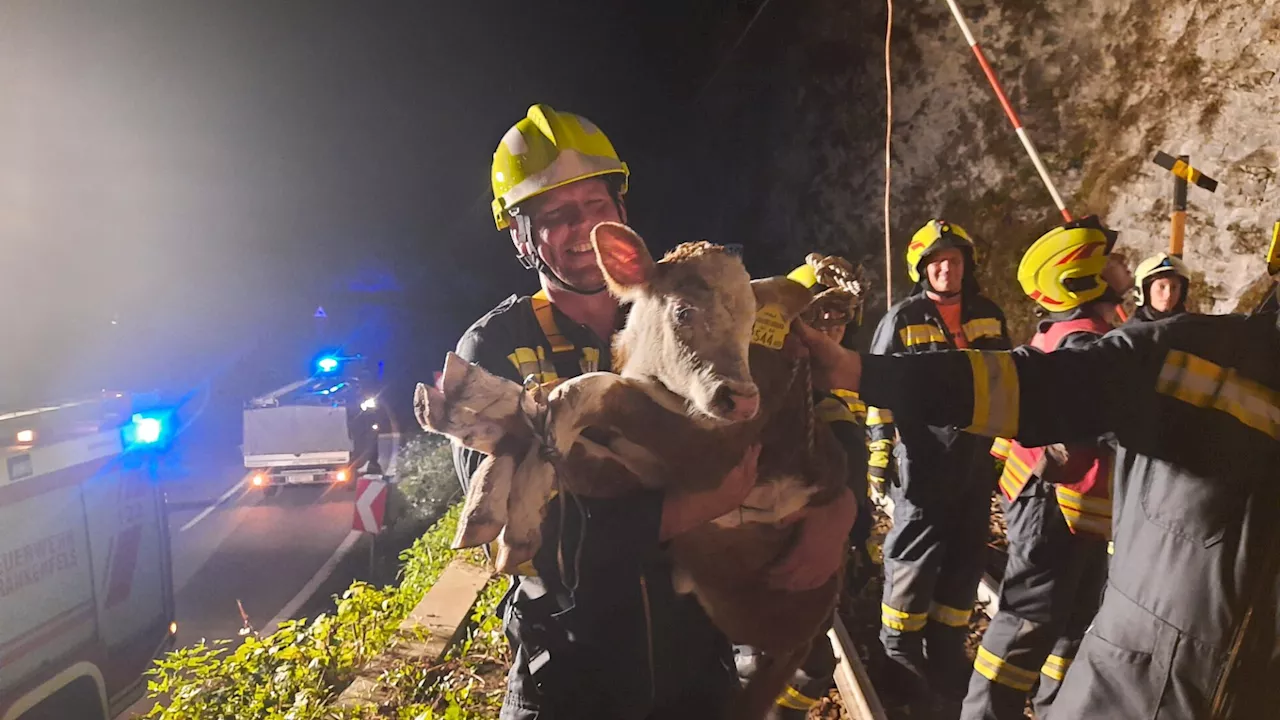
{"x":888,"y":140}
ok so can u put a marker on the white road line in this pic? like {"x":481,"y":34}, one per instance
{"x":214,"y":506}
{"x":313,"y":584}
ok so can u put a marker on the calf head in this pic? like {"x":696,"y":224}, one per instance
{"x":691,"y":320}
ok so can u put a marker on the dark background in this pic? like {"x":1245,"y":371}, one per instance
{"x":182,"y":184}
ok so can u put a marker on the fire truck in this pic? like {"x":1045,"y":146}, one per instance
{"x":86,"y":591}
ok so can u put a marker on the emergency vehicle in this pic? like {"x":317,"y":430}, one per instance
{"x":86,"y":590}
{"x":323,"y":429}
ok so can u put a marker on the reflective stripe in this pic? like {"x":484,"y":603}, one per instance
{"x":545,"y":313}
{"x":995,"y":393}
{"x":1015,"y":476}
{"x":831,"y":410}
{"x":878,"y":416}
{"x":949,"y":616}
{"x":921,"y":334}
{"x":982,"y":327}
{"x":1205,"y":384}
{"x":793,"y":699}
{"x":533,"y":363}
{"x":590,"y":360}
{"x":1085,"y":513}
{"x":1055,"y":667}
{"x":853,"y":402}
{"x":1001,"y":447}
{"x":902,"y":621}
{"x":998,"y":671}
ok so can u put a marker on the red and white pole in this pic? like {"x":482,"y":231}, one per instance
{"x":1008,"y":110}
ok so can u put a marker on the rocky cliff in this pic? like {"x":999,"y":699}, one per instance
{"x":1101,"y":86}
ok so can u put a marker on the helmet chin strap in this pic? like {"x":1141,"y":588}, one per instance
{"x":532,"y":260}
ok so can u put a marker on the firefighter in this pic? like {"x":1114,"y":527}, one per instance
{"x":942,"y":479}
{"x":613,"y":639}
{"x":1188,"y":626}
{"x":1056,"y":501}
{"x":835,"y":308}
{"x":1162,"y":281}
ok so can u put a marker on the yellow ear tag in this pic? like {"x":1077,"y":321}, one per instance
{"x":770,"y":329}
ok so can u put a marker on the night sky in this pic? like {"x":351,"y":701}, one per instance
{"x":183,"y":183}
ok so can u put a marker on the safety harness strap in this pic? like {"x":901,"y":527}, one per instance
{"x":545,"y":314}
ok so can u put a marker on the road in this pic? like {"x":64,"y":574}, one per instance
{"x":281,"y":556}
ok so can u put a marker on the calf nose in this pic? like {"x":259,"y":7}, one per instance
{"x":737,"y":406}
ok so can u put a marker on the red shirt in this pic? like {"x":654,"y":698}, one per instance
{"x":950,"y":312}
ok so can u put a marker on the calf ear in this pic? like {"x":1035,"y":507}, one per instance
{"x":790,"y":295}
{"x":623,"y":258}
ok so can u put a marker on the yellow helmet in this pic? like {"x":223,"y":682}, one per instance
{"x":545,"y":150}
{"x":1155,"y":266}
{"x":1062,"y":270}
{"x":936,"y":235}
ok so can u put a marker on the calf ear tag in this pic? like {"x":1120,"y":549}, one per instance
{"x":770,"y":329}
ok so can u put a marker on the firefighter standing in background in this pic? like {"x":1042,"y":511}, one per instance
{"x":934,"y":556}
{"x":1056,"y":500}
{"x":1163,"y":281}
{"x":1188,"y":628}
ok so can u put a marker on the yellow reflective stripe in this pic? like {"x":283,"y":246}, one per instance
{"x":995,"y":394}
{"x":793,"y":699}
{"x":546,"y":316}
{"x":1086,"y":523}
{"x":904,"y":621}
{"x":982,"y":327}
{"x":1111,"y":548}
{"x":831,"y":410}
{"x":998,"y":671}
{"x":1207,"y":385}
{"x":530,"y":362}
{"x":853,"y":402}
{"x":949,"y":616}
{"x":1055,"y":667}
{"x":1001,"y":448}
{"x":878,"y":416}
{"x":921,"y":334}
{"x":1015,"y":476}
{"x":590,"y":360}
{"x":1084,"y":503}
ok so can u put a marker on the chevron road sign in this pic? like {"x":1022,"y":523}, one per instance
{"x":371,"y":504}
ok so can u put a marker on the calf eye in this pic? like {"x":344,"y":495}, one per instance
{"x":684,"y":314}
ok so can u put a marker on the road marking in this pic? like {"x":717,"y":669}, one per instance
{"x":294,"y":605}
{"x":214,"y":506}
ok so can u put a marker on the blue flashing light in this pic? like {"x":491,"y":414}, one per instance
{"x":149,"y":429}
{"x":327,"y":364}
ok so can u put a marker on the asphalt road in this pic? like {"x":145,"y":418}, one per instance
{"x":278,"y":557}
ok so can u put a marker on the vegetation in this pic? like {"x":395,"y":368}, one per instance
{"x":298,"y":671}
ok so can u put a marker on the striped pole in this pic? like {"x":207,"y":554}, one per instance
{"x":1008,"y":110}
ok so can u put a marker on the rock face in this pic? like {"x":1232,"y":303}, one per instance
{"x":1101,"y":85}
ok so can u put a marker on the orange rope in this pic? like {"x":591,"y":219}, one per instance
{"x":888,"y":140}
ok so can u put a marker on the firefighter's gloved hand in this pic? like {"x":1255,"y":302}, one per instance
{"x":833,"y":365}
{"x":823,"y":533}
{"x":882,"y":467}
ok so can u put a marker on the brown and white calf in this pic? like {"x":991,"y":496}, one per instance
{"x":692,"y":393}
